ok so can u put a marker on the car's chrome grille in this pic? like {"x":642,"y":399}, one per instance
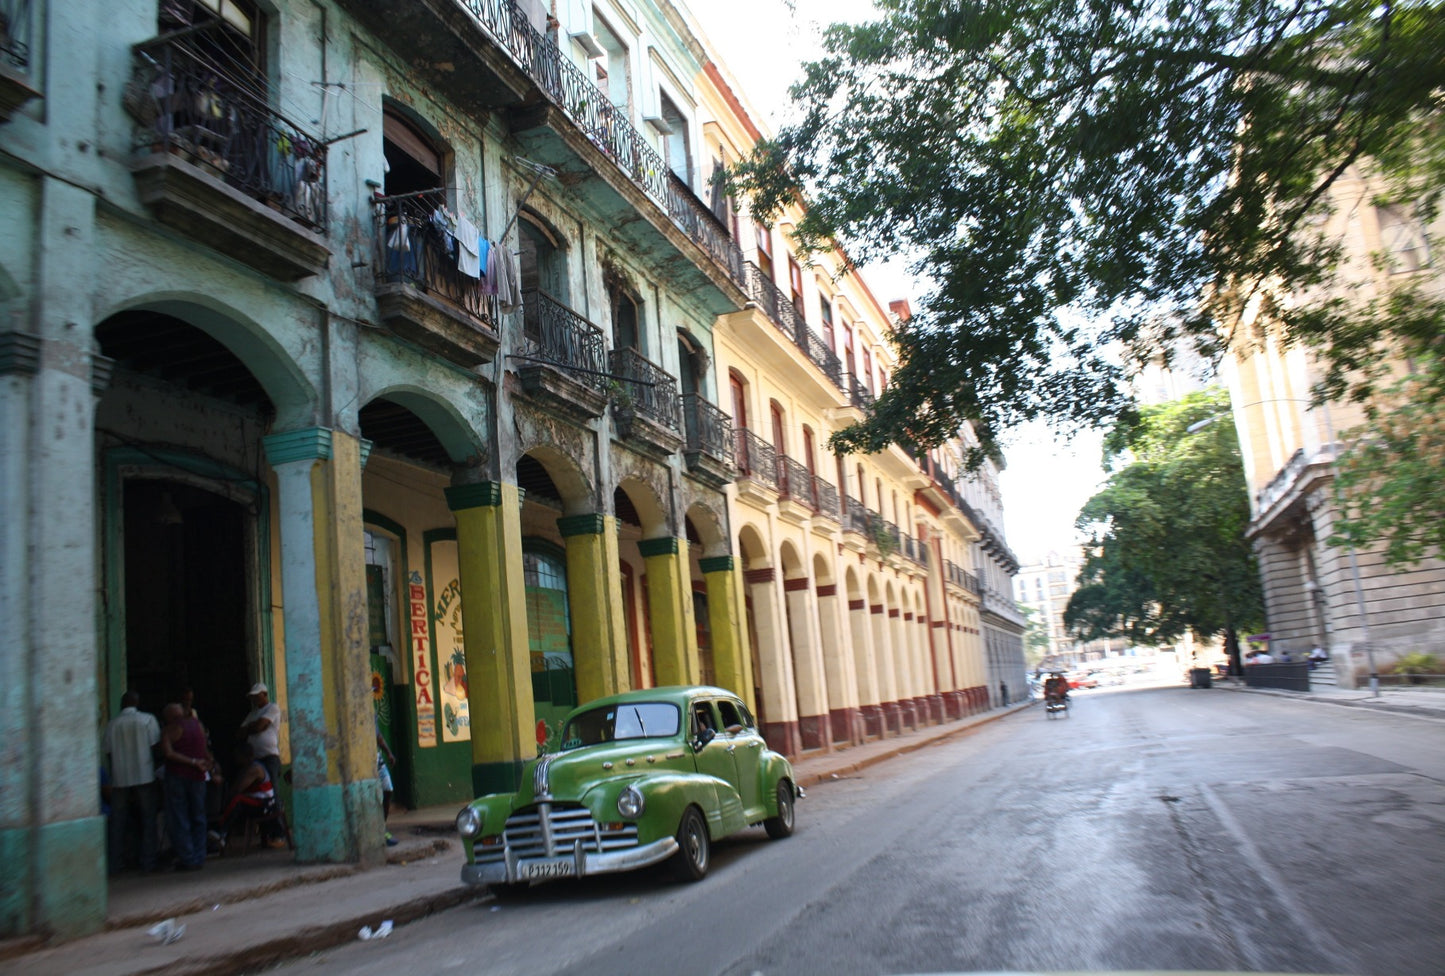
{"x":550,"y":830}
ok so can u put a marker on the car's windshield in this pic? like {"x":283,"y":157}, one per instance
{"x":634,"y":720}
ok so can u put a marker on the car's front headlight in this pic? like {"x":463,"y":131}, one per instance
{"x":469,"y":822}
{"x":630,"y":803}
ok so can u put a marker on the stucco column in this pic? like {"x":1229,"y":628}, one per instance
{"x":730,"y":658}
{"x":810,"y":688}
{"x":866,"y":672}
{"x":494,"y":620}
{"x":836,"y":645}
{"x":594,"y":597}
{"x":778,"y":706}
{"x":335,"y":799}
{"x":883,"y":651}
{"x":903,"y":669}
{"x":669,"y":598}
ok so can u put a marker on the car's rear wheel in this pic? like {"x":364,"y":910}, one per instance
{"x":782,"y":825}
{"x":694,"y":852}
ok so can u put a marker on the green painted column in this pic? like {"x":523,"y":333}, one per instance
{"x":335,"y":798}
{"x":594,"y":598}
{"x":494,"y":619}
{"x":730,"y":658}
{"x":669,"y":597}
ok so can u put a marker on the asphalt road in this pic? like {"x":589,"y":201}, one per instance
{"x":1159,"y":829}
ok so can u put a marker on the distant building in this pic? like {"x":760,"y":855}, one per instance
{"x":1045,"y":587}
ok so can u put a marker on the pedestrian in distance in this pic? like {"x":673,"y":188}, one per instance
{"x":262,"y":728}
{"x":183,"y":743}
{"x":130,"y":740}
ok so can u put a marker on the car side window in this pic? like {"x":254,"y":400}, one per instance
{"x":732,"y":720}
{"x":702,"y":717}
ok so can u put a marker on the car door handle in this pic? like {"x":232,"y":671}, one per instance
{"x":732,"y":749}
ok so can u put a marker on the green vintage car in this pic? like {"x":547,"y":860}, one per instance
{"x":641,"y":777}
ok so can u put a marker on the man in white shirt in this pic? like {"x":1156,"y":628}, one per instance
{"x":129,"y":739}
{"x":261,"y":729}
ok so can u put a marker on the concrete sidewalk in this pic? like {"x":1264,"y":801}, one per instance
{"x":243,"y":913}
{"x":1420,"y":701}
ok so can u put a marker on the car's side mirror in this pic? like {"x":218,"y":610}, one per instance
{"x":704,"y":736}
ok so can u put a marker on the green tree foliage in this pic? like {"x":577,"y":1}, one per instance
{"x":1085,"y":181}
{"x":1388,"y":480}
{"x":1166,"y":551}
{"x":1037,"y":644}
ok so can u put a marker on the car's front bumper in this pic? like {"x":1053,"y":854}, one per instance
{"x":578,"y":863}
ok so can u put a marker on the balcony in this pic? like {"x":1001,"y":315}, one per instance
{"x":825,"y":499}
{"x":855,"y":516}
{"x":914,"y":550}
{"x":15,"y":27}
{"x":420,"y":294}
{"x":645,"y":408}
{"x":216,"y":162}
{"x":796,"y":503}
{"x":757,"y":463}
{"x":781,"y":312}
{"x":562,"y":359}
{"x":707,"y":437}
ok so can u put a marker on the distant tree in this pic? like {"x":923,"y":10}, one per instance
{"x":1037,"y":644}
{"x":1166,"y":551}
{"x":1085,"y":180}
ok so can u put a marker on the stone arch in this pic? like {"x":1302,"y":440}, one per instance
{"x":651,"y":512}
{"x":790,"y":562}
{"x":566,"y":475}
{"x":822,"y":570}
{"x":711,"y":529}
{"x":292,"y":394}
{"x":461,"y":442}
{"x":753,"y":548}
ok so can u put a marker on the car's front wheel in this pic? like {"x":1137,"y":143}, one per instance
{"x":782,"y":825}
{"x":694,"y":848}
{"x":506,"y":890}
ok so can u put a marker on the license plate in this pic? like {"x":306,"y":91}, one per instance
{"x":542,"y":870}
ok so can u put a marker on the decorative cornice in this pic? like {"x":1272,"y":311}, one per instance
{"x":665,"y":546}
{"x":828,"y":589}
{"x":794,"y":585}
{"x":857,"y":605}
{"x":591,"y":523}
{"x":19,"y":353}
{"x":482,"y":494}
{"x":306,"y":444}
{"x":716,"y":564}
{"x":764,"y":575}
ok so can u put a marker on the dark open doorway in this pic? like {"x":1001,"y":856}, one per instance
{"x":187,"y":603}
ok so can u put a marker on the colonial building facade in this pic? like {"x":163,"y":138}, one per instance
{"x":396,"y":369}
{"x":1350,"y":602}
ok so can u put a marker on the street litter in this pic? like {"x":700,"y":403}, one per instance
{"x":167,"y":932}
{"x":382,"y":931}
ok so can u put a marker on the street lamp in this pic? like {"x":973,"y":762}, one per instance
{"x":1199,"y":425}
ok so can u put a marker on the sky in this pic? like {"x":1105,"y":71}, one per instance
{"x":762,"y":42}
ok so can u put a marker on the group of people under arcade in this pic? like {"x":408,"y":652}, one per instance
{"x":170,"y":765}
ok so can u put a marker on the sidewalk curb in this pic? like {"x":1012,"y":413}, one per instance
{"x":958,"y":728}
{"x":1418,"y":711}
{"x":293,"y":945}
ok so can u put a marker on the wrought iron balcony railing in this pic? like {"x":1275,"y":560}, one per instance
{"x":15,"y":17}
{"x":858,"y":394}
{"x":411,"y":248}
{"x":914,"y":550}
{"x":756,"y":458}
{"x":187,"y":103}
{"x":706,"y":428}
{"x":558,"y":336}
{"x":651,"y":390}
{"x":780,"y":310}
{"x":795,"y":481}
{"x":855,"y":516}
{"x":608,"y":128}
{"x":826,"y":497}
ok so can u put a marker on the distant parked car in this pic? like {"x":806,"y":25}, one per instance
{"x":641,"y":777}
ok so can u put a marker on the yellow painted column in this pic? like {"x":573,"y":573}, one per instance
{"x":731,"y":659}
{"x":594,"y":597}
{"x":494,"y":619}
{"x":669,"y":597}
{"x":335,"y":800}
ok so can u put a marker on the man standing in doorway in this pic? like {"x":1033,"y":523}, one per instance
{"x":130,"y":738}
{"x":187,"y":762}
{"x":261,"y":727}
